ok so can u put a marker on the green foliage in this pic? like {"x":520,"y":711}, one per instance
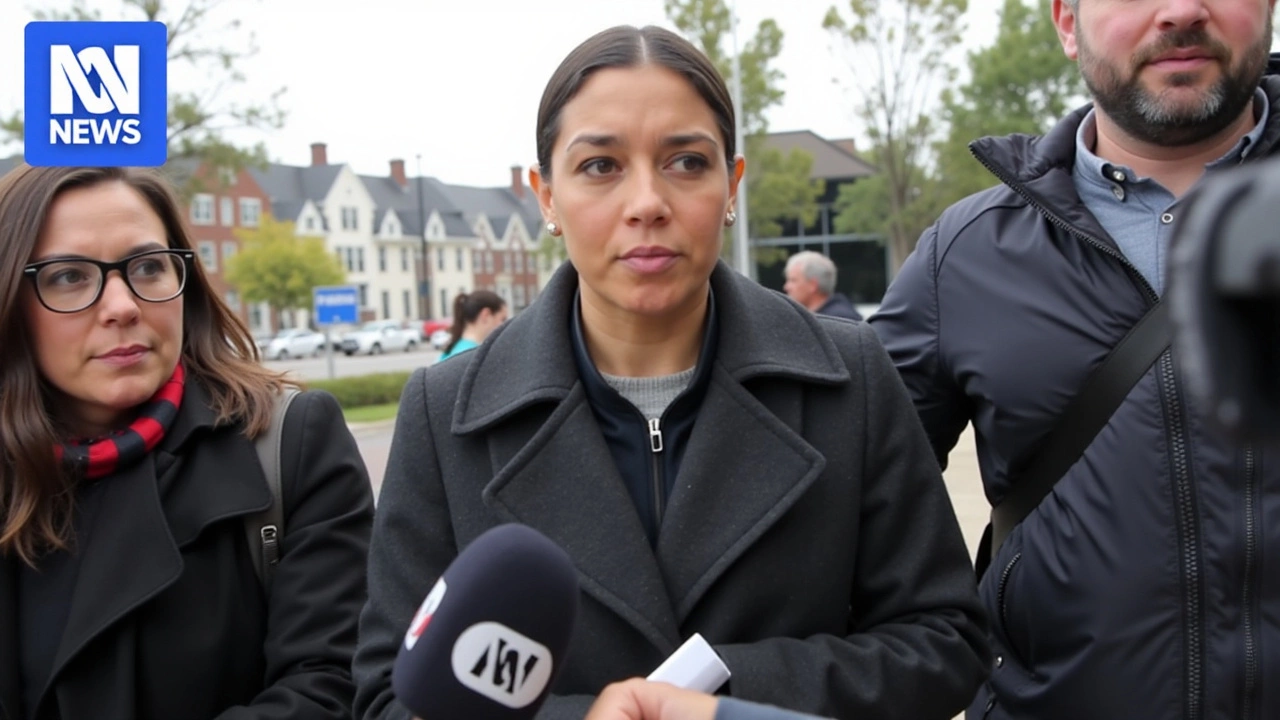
{"x":1021,"y":83}
{"x":198,"y":120}
{"x":782,"y":189}
{"x":277,"y":267}
{"x":900,"y":48}
{"x":778,"y":188}
{"x":364,"y":390}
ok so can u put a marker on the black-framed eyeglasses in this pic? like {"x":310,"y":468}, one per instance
{"x":71,"y":285}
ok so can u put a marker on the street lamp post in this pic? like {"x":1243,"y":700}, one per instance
{"x":741,"y":243}
{"x":424,"y":291}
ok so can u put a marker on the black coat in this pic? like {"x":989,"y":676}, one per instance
{"x":809,"y":537}
{"x":168,"y":619}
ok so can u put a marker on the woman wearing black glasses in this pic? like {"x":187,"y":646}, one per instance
{"x":130,"y":398}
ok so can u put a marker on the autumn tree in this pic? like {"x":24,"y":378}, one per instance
{"x":778,"y":187}
{"x":901,"y":48}
{"x":200,"y":118}
{"x":1021,"y":83}
{"x":279,"y":268}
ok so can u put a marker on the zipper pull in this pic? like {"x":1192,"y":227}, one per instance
{"x":655,"y":435}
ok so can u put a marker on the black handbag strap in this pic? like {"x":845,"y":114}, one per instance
{"x":1086,"y":415}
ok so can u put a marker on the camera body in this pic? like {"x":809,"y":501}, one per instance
{"x":1224,"y":295}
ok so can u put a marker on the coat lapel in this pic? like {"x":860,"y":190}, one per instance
{"x":129,"y":557}
{"x":10,"y":684}
{"x":564,"y":484}
{"x":556,"y":474}
{"x":133,"y":551}
{"x":742,"y":470}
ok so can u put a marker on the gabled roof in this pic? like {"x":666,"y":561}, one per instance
{"x":289,"y":186}
{"x":830,"y":161}
{"x":387,"y":194}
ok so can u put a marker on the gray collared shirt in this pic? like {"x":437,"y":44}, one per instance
{"x":1138,"y":213}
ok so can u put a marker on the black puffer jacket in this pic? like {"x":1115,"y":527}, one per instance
{"x":1148,"y":584}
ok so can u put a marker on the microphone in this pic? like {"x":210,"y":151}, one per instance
{"x":490,"y":638}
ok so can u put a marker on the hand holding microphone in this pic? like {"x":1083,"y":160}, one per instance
{"x":490,"y":638}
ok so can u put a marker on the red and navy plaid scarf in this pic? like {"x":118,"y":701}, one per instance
{"x":99,"y":457}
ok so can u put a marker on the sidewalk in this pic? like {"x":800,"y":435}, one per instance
{"x":964,"y":482}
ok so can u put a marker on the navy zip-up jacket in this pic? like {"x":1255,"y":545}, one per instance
{"x":648,"y":458}
{"x":1147,"y":585}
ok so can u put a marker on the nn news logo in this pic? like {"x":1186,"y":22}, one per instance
{"x":96,"y":94}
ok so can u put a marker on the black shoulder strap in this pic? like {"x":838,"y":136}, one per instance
{"x":265,"y":528}
{"x":1086,"y":415}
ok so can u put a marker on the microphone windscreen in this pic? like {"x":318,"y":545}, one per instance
{"x":491,"y":636}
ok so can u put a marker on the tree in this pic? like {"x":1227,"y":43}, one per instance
{"x":200,"y":120}
{"x":279,"y":268}
{"x":901,"y":45}
{"x":778,"y":186}
{"x":1021,"y":83}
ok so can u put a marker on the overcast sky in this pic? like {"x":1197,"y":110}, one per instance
{"x":458,"y":81}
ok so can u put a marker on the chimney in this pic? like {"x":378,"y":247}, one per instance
{"x":397,"y":174}
{"x":318,"y":155}
{"x":517,"y":181}
{"x":846,"y":145}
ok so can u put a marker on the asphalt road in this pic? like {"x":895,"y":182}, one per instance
{"x":343,"y":366}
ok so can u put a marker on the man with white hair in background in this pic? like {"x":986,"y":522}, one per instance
{"x":811,"y":281}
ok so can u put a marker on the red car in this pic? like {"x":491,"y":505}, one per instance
{"x":436,"y":332}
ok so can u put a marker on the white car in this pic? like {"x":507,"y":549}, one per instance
{"x":379,"y":336}
{"x":294,"y":343}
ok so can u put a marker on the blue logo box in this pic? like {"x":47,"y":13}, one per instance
{"x":96,"y":94}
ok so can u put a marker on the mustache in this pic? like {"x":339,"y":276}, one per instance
{"x":1176,"y":39}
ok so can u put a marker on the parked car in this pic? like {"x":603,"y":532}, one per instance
{"x":379,"y":336}
{"x":295,"y":342}
{"x":436,"y":332}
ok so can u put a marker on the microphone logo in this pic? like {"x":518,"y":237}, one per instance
{"x":423,"y":616}
{"x":501,"y":664}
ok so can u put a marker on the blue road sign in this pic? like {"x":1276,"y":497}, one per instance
{"x":336,"y":305}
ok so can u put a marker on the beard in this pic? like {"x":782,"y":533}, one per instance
{"x":1157,"y":116}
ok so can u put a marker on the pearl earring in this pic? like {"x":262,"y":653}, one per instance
{"x":553,"y":229}
{"x":730,"y":218}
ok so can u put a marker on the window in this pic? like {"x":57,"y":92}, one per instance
{"x":408,"y":304}
{"x":202,"y":210}
{"x":229,"y":249}
{"x":364,"y":295}
{"x":255,"y":316}
{"x":404,"y":259}
{"x":488,"y":261}
{"x":386,"y":305}
{"x":444,"y":309}
{"x":310,"y":224}
{"x":342,"y":256}
{"x":250,"y":211}
{"x":382,"y":259}
{"x":350,"y":260}
{"x":519,"y":262}
{"x":360,"y":259}
{"x":440,"y":259}
{"x":209,"y":255}
{"x":350,"y":218}
{"x":227,"y":211}
{"x":233,"y":301}
{"x":519,"y":296}
{"x":392,"y":229}
{"x":476,"y":260}
{"x":458,"y":256}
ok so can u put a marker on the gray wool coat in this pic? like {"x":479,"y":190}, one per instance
{"x":809,"y":537}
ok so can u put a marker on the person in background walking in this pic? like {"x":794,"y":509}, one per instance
{"x":475,"y":315}
{"x":811,"y":281}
